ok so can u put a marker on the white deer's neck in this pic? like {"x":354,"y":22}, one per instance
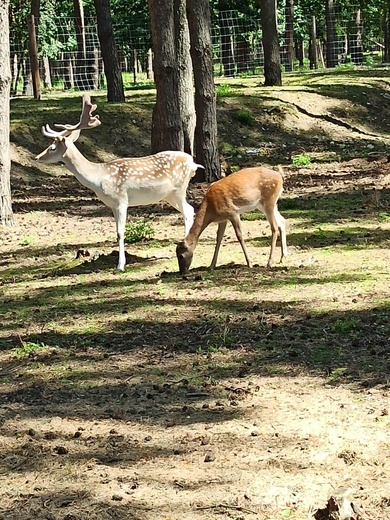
{"x":85,"y":171}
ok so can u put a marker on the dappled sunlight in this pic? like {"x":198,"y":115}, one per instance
{"x":121,"y":391}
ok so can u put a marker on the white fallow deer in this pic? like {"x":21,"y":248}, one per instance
{"x":123,"y":182}
{"x":225,"y":200}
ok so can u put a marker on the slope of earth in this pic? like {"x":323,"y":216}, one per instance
{"x":238,"y":393}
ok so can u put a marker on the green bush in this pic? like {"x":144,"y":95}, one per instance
{"x":137,"y":231}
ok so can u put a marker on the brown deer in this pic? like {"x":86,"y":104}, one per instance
{"x":126,"y":182}
{"x":225,"y":200}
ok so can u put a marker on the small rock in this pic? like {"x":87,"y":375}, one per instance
{"x":61,"y":450}
{"x":117,"y":498}
{"x":209,"y":457}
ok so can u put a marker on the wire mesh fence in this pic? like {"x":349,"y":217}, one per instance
{"x":70,"y":55}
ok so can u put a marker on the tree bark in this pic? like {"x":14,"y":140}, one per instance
{"x":6,"y":215}
{"x":289,"y":35}
{"x":33,"y":46}
{"x":331,"y":58}
{"x":272,"y":67}
{"x":186,"y":85}
{"x":167,"y":131}
{"x":357,"y":40}
{"x":386,"y":31}
{"x":80,"y":77}
{"x":313,"y":44}
{"x":227,"y":52}
{"x":206,"y":142}
{"x":112,"y":70}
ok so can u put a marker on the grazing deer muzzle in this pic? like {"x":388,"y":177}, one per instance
{"x":184,"y":257}
{"x":225,"y":200}
{"x":121,"y":183}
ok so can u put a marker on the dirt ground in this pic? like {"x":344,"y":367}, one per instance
{"x":238,"y":394}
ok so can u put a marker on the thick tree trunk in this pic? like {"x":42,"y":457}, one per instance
{"x":272,"y":68}
{"x":186,"y":85}
{"x":206,"y":142}
{"x":167,"y":132}
{"x":6,"y":216}
{"x":112,"y":70}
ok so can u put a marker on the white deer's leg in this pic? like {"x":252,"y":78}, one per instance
{"x":270,"y":215}
{"x":179,"y":202}
{"x":220,"y":233}
{"x":188,"y":213}
{"x":120,"y":215}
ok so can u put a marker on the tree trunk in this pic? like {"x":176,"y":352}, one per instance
{"x":289,"y":35}
{"x":357,"y":40}
{"x":186,"y":86}
{"x":227,"y":54}
{"x":206,"y":142}
{"x":112,"y":70}
{"x":149,"y":65}
{"x":243,"y":53}
{"x":272,"y":67}
{"x":313,"y":44}
{"x":80,"y":72}
{"x":33,"y":47}
{"x":167,"y":132}
{"x":33,"y":55}
{"x":67,"y":71}
{"x":386,"y":31}
{"x":331,"y":58}
{"x":6,"y":215}
{"x":46,"y":76}
{"x":299,"y":50}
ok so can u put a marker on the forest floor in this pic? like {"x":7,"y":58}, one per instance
{"x":233,"y":394}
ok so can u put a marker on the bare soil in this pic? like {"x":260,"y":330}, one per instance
{"x":234,"y":394}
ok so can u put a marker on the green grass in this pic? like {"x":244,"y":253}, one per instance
{"x":301,"y":160}
{"x":29,"y":348}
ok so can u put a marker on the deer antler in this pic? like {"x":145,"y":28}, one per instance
{"x":87,"y":120}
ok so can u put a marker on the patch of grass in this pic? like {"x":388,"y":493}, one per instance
{"x":252,"y":216}
{"x":301,"y":160}
{"x":26,"y":240}
{"x":138,"y":231}
{"x":244,"y":117}
{"x":345,"y":326}
{"x":28,"y":348}
{"x":337,"y":375}
{"x":224,"y":90}
{"x":383,"y":216}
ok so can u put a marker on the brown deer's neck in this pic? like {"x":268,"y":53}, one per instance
{"x":201,"y":221}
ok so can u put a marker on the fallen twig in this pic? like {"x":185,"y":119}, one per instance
{"x":225,"y":506}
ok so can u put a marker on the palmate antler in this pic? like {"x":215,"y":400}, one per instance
{"x":87,"y":120}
